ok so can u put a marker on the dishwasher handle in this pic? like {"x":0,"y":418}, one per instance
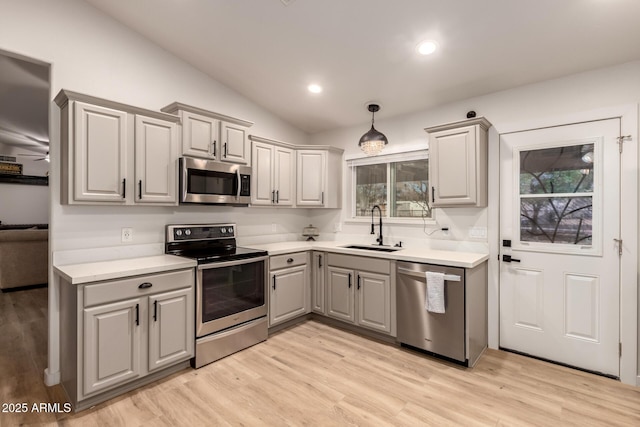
{"x":421,"y":275}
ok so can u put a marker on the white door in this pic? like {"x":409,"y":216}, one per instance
{"x":199,"y":136}
{"x":559,"y":221}
{"x":111,"y":344}
{"x":288,"y":294}
{"x":374,"y":301}
{"x":156,"y":161}
{"x":340,"y":294}
{"x":311,"y":166}
{"x":284,"y":175}
{"x":171,"y":328}
{"x":262,"y":191}
{"x":100,"y":155}
{"x":235,"y":145}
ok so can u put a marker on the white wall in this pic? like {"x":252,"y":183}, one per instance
{"x":510,"y":109}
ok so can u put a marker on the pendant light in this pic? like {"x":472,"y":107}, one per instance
{"x":373,"y":141}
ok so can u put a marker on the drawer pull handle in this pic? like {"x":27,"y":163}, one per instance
{"x":145,"y":285}
{"x":290,"y":260}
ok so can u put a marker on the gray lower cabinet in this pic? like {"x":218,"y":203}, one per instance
{"x":318,"y":303}
{"x":119,"y":334}
{"x":289,"y":294}
{"x":360,"y":291}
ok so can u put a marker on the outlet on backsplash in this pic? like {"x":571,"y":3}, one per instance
{"x":127,"y":235}
{"x":478,"y":232}
{"x":337,"y":226}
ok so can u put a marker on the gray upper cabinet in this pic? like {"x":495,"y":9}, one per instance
{"x":200,"y":136}
{"x":212,"y":136}
{"x":273,"y":172}
{"x":116,"y":154}
{"x":319,"y":177}
{"x":458,"y":163}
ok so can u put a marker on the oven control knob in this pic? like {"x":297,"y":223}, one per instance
{"x":187,"y":232}
{"x":223,"y":230}
{"x":230,"y":229}
{"x":178,"y":232}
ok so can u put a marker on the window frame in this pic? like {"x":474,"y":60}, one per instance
{"x":351,"y":165}
{"x":596,"y":247}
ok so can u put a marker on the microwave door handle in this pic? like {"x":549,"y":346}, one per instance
{"x":238,"y":177}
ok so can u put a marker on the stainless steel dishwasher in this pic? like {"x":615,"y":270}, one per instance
{"x":460,"y":333}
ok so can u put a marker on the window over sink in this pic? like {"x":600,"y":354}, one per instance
{"x":398,"y":183}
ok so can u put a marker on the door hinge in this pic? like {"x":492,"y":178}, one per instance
{"x":619,"y":349}
{"x":619,"y":242}
{"x":621,"y":140}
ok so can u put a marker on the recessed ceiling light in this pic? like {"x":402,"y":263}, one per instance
{"x":314,"y":88}
{"x":427,"y":47}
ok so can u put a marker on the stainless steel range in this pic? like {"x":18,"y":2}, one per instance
{"x":231,"y":286}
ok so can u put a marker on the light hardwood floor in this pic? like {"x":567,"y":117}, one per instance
{"x":313,"y":374}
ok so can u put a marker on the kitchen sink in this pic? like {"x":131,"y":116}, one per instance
{"x":372,"y":248}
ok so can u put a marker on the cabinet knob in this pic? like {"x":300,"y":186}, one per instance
{"x":145,"y":285}
{"x":290,"y":260}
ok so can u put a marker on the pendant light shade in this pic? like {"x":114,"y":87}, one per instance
{"x":373,"y":141}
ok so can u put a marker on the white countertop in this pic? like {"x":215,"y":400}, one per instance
{"x":421,"y":255}
{"x":78,"y":274}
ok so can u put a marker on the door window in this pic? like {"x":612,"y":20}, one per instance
{"x":558,"y":197}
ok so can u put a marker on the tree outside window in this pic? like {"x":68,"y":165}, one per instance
{"x":399,"y":188}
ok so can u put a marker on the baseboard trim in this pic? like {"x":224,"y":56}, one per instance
{"x":51,"y":378}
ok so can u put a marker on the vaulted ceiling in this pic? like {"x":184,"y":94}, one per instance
{"x":363,"y":50}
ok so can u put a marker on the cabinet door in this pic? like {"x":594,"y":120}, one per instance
{"x":112,"y":335}
{"x":262,"y":190}
{"x":374,"y":301}
{"x":288,"y":294}
{"x":235,"y":144}
{"x":100,"y":157}
{"x":318,"y":283}
{"x":452,"y":166}
{"x":199,"y":135}
{"x":311,"y":166}
{"x":340,"y":293}
{"x":171,"y":328}
{"x":284,"y":175}
{"x":156,"y":161}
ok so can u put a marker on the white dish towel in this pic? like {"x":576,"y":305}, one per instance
{"x":435,"y":292}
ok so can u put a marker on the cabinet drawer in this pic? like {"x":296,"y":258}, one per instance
{"x":287,"y":260}
{"x":374,"y":265}
{"x":116,"y":290}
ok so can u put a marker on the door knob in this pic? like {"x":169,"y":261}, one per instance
{"x":507,"y":258}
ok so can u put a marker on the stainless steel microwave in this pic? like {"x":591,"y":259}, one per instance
{"x":210,"y":182}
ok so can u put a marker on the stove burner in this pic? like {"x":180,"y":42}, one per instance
{"x":207,"y":243}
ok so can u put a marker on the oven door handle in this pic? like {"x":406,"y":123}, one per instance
{"x":232,"y":263}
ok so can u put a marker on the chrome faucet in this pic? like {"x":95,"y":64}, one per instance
{"x":379,"y":239}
